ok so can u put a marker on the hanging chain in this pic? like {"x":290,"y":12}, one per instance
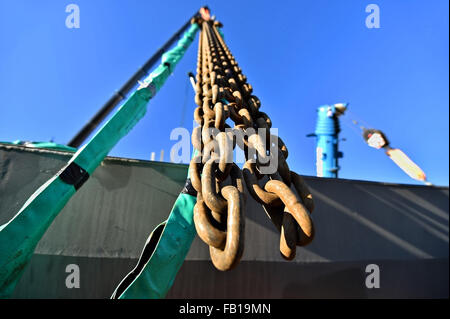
{"x":222,"y":93}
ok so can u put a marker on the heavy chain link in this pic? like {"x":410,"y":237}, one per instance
{"x":222,"y":93}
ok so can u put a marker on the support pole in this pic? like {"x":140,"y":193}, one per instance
{"x":120,"y":95}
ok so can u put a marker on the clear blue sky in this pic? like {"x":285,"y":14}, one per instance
{"x":297,"y":55}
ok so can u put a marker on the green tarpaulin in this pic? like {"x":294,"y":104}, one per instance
{"x":19,"y":236}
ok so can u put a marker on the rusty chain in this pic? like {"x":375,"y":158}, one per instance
{"x":222,"y":93}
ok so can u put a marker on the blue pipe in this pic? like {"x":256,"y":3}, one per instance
{"x":327,"y":133}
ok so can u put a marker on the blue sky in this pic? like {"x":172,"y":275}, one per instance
{"x":298,"y":55}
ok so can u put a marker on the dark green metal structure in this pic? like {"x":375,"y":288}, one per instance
{"x":401,"y":228}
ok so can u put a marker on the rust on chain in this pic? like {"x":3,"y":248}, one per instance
{"x":219,"y":116}
{"x":234,"y":113}
{"x":206,"y":108}
{"x":256,"y":142}
{"x":198,"y":115}
{"x":225,"y":144}
{"x":210,"y":150}
{"x":245,"y":118}
{"x":197,"y":138}
{"x":222,"y":93}
{"x":208,"y":131}
{"x":237,"y":180}
{"x":255,"y":190}
{"x":228,"y":257}
{"x":194,"y":171}
{"x":204,"y":222}
{"x":295,"y":208}
{"x":303,"y":191}
{"x":289,"y":236}
{"x":212,"y":199}
{"x":283,"y":168}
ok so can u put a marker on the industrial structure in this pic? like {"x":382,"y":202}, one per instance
{"x":401,"y":228}
{"x":327,"y":134}
{"x":139,"y":229}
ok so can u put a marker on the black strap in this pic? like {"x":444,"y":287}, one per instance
{"x":147,"y":252}
{"x":73,"y":174}
{"x":188,"y":188}
{"x":168,"y":65}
